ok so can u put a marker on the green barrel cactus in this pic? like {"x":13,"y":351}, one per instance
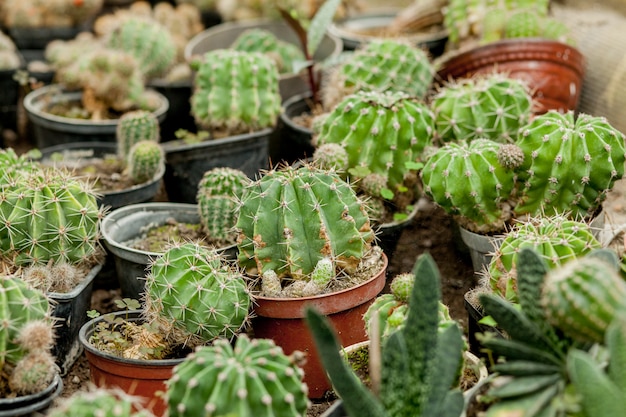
{"x":255,"y":378}
{"x":49,"y":216}
{"x":583,"y":297}
{"x":556,"y":239}
{"x":13,"y":167}
{"x":145,"y":159}
{"x":260,"y":40}
{"x":570,"y":164}
{"x":382,"y":65}
{"x":235,"y":92}
{"x":191,"y":290}
{"x":219,"y":191}
{"x":109,"y":402}
{"x":523,"y":23}
{"x":290,"y":219}
{"x":492,"y":107}
{"x":381,"y":133}
{"x":135,"y":126}
{"x":148,"y":41}
{"x":473,"y":182}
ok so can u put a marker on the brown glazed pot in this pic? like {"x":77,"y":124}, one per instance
{"x":553,"y":70}
{"x":282,"y":320}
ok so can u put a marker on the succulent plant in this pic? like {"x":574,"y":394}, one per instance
{"x":145,"y":159}
{"x":235,"y":92}
{"x":135,"y":126}
{"x":104,"y":402}
{"x":556,"y":239}
{"x":219,"y":192}
{"x":382,"y":65}
{"x":290,"y":219}
{"x":253,"y":378}
{"x":419,"y":375}
{"x":9,"y":58}
{"x":570,"y":164}
{"x":49,"y":216}
{"x":382,"y":133}
{"x":488,"y":107}
{"x":53,"y":13}
{"x":15,"y":166}
{"x":190,"y":290}
{"x":264,"y":41}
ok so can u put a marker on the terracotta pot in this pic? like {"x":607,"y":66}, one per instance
{"x":282,"y":319}
{"x":553,"y":70}
{"x":142,"y":378}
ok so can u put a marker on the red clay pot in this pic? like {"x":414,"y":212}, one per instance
{"x":282,"y":320}
{"x":553,"y":70}
{"x":142,"y":378}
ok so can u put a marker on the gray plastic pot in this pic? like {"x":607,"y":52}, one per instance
{"x":123,"y":225}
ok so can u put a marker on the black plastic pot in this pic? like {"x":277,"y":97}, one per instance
{"x":292,"y":141}
{"x":388,"y":234}
{"x":474,"y":316}
{"x":187,"y":163}
{"x":179,"y":113}
{"x":9,"y":99}
{"x":33,"y":404}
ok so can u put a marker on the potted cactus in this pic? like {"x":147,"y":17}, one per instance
{"x":108,"y":402}
{"x":321,"y":254}
{"x":192,"y":297}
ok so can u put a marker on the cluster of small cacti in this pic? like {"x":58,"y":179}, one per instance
{"x":556,"y":239}
{"x":219,"y":191}
{"x":48,"y":13}
{"x":255,"y":378}
{"x":261,"y":40}
{"x":49,"y":216}
{"x":146,"y":159}
{"x":382,"y":65}
{"x":9,"y":58}
{"x":60,"y":277}
{"x":235,"y":92}
{"x":104,"y":402}
{"x":195,"y":296}
{"x":291,"y":219}
{"x":256,"y":9}
{"x":26,"y":340}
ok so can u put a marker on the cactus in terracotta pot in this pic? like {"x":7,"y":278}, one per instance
{"x":235,"y":92}
{"x":253,"y":378}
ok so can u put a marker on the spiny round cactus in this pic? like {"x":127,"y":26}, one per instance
{"x":253,"y":379}
{"x":145,"y":159}
{"x":381,"y":132}
{"x":236,"y":92}
{"x":582,"y":297}
{"x":556,"y":239}
{"x":382,"y":65}
{"x":49,"y":216}
{"x":331,"y":156}
{"x":14,"y":167}
{"x":101,"y":402}
{"x":148,"y":41}
{"x":219,"y":192}
{"x":523,"y":23}
{"x":191,"y":289}
{"x":292,"y":218}
{"x":570,"y":164}
{"x":135,"y":126}
{"x":261,"y":40}
{"x":9,"y":58}
{"x":467,"y":180}
{"x":492,"y":107}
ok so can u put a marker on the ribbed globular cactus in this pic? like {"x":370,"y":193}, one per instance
{"x":492,"y":107}
{"x":556,"y":239}
{"x":13,"y":167}
{"x":255,"y":378}
{"x":235,"y":92}
{"x":145,"y":159}
{"x":570,"y":164}
{"x":49,"y":216}
{"x":381,"y":133}
{"x":472,"y":181}
{"x":46,"y":14}
{"x":102,"y":402}
{"x":261,"y":40}
{"x":191,"y":290}
{"x":218,"y":197}
{"x":382,"y":65}
{"x":135,"y":126}
{"x":583,"y":297}
{"x":148,"y":41}
{"x":290,"y":219}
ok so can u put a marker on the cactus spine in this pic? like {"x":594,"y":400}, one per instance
{"x":219,"y":192}
{"x":253,"y":379}
{"x":145,"y":159}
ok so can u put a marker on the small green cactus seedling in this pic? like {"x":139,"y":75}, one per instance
{"x":104,"y":402}
{"x":135,"y":126}
{"x":255,"y":378}
{"x":420,"y":364}
{"x":260,"y":40}
{"x":235,"y":92}
{"x":219,"y":192}
{"x":196,"y":296}
{"x":145,"y":160}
